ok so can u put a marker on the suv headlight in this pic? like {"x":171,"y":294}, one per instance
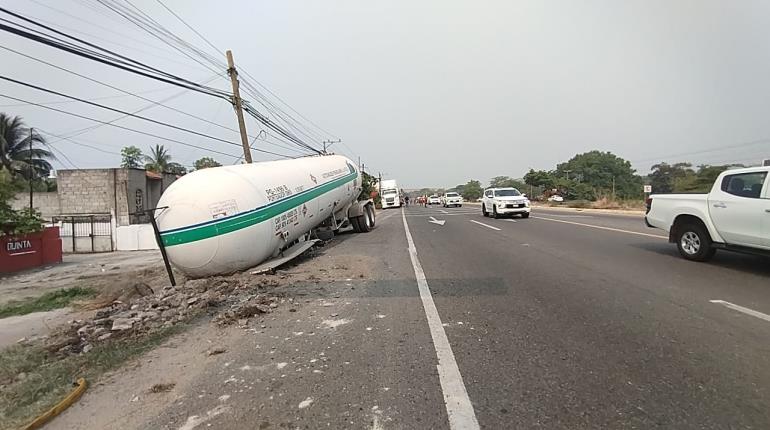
{"x":526,"y":203}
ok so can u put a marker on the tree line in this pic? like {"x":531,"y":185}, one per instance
{"x":598,"y":175}
{"x":159,"y":161}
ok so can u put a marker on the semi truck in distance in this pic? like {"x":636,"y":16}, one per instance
{"x":390,"y":194}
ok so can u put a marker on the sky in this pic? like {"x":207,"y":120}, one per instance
{"x":430,"y":93}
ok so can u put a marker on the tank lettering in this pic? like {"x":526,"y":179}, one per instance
{"x":277,"y":193}
{"x":286,"y":219}
{"x":223,"y":208}
{"x":334,"y":173}
{"x":299,"y":189}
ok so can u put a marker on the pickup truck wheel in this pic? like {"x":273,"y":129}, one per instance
{"x":484,"y":210}
{"x":694,"y":243}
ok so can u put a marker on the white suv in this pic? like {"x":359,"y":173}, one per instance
{"x":452,"y":199}
{"x":504,"y":201}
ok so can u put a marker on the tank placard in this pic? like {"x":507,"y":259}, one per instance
{"x":278,"y":193}
{"x":223,"y":208}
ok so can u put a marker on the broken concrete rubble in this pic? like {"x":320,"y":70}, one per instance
{"x":142,"y":310}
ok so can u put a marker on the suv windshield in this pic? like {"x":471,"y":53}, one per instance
{"x":507,"y":193}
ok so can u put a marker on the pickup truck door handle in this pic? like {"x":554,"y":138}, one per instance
{"x":720,"y":205}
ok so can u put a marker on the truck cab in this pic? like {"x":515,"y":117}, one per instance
{"x":390,"y":194}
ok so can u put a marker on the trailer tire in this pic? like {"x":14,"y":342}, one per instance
{"x":369,"y":212}
{"x":354,"y":223}
{"x":364,"y":223}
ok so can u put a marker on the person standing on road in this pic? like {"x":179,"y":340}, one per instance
{"x":406,"y":201}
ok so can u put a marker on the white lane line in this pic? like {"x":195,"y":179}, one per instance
{"x":739,"y":308}
{"x":485,"y":225}
{"x":443,"y":211}
{"x":458,"y":404}
{"x":510,"y":220}
{"x":570,"y":216}
{"x":604,"y":228}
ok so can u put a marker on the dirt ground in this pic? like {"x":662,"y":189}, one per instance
{"x":126,"y":399}
{"x":93,"y":270}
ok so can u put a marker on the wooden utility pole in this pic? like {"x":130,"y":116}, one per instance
{"x":237,"y":104}
{"x":29,"y":161}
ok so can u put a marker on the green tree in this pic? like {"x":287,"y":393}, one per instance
{"x":708,"y":174}
{"x":158,"y":159}
{"x":540,"y":178}
{"x":472,"y":190}
{"x":176,"y":169}
{"x":205,"y":163}
{"x":667,"y":178}
{"x":132,"y":157}
{"x":602,"y":172}
{"x":15,"y":154}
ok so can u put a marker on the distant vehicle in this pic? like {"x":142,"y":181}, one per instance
{"x":734,"y":216}
{"x":499,"y":202}
{"x":557,"y":199}
{"x":434,"y":200}
{"x":452,"y":199}
{"x":391,"y":195}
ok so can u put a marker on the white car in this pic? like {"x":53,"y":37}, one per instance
{"x":734,"y":216}
{"x":434,"y":200}
{"x":557,"y":199}
{"x":452,"y":199}
{"x":500,"y":202}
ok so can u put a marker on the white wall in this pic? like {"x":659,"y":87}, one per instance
{"x":135,"y":237}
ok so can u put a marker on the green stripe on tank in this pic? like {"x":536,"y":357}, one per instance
{"x":251,"y":218}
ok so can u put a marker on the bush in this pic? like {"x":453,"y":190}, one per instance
{"x":23,"y":221}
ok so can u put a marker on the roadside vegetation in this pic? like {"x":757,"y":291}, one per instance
{"x":33,"y":379}
{"x":599,"y":180}
{"x":48,"y":301}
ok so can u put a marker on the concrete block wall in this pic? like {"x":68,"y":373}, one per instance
{"x":46,"y":203}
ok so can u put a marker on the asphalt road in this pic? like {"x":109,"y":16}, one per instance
{"x":563,"y":320}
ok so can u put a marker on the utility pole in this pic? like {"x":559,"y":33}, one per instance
{"x":379,"y":183}
{"x":29,"y":162}
{"x":613,"y":188}
{"x":238,"y":105}
{"x":330,"y":143}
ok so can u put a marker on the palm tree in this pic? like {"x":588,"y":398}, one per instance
{"x":158,"y":159}
{"x":16,"y":156}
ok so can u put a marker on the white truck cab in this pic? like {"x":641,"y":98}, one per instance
{"x":500,"y":202}
{"x":734,"y":215}
{"x":391,"y":194}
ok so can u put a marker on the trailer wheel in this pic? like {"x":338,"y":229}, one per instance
{"x":370,"y":213}
{"x":354,"y":223}
{"x":364,"y":222}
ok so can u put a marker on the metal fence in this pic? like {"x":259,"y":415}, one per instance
{"x":85,"y":232}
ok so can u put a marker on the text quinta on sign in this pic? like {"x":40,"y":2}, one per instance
{"x":18,"y":246}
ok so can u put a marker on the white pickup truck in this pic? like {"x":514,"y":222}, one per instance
{"x":735,"y":215}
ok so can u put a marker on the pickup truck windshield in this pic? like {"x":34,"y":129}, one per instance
{"x":452,"y":194}
{"x":507,"y":193}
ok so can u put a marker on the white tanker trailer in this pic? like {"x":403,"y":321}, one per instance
{"x":224,"y":219}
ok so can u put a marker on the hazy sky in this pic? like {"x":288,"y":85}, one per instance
{"x":433,"y":93}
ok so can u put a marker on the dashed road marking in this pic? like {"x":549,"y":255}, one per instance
{"x":485,"y":225}
{"x":657,"y":236}
{"x":739,"y":308}
{"x":458,"y":404}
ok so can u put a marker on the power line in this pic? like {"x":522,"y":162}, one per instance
{"x":144,"y":118}
{"x":188,"y":26}
{"x":129,"y":65}
{"x":120,"y":126}
{"x":682,"y":154}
